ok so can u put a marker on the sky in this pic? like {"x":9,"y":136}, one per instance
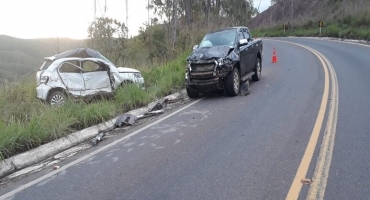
{"x":28,"y":19}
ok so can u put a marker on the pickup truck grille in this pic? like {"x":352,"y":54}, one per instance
{"x":201,"y":75}
{"x":203,"y":67}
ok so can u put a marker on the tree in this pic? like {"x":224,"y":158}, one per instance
{"x":238,"y":12}
{"x":174,"y":19}
{"x":108,"y":37}
{"x":180,"y":17}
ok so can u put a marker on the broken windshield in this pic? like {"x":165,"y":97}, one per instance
{"x":223,"y":37}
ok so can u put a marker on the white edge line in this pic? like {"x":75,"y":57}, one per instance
{"x":15,"y":191}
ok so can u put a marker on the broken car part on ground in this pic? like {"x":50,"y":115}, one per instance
{"x":123,"y":120}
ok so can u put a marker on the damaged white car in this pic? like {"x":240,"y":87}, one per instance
{"x":81,"y":73}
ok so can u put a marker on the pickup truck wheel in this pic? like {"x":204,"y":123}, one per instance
{"x":257,"y":71}
{"x":191,"y":93}
{"x":57,"y":98}
{"x":232,"y":85}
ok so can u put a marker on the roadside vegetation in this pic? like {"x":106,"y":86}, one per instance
{"x":342,"y":19}
{"x":159,"y":52}
{"x":25,"y":122}
{"x":352,"y":28}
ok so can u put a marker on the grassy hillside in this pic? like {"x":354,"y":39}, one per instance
{"x":19,"y":57}
{"x":350,"y":20}
{"x":26,"y":123}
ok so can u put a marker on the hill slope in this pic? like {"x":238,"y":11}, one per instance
{"x":19,"y":57}
{"x":309,"y":11}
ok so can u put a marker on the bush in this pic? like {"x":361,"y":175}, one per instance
{"x":332,"y":31}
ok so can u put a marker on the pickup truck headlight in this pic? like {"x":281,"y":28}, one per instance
{"x":220,"y":61}
{"x":188,"y":66}
{"x":44,"y":79}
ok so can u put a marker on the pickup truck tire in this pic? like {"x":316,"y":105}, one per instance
{"x":191,"y":93}
{"x":232,"y":83}
{"x":257,"y":71}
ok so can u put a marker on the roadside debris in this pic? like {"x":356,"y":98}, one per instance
{"x":173,"y":100}
{"x":25,"y":171}
{"x":98,"y":139}
{"x":150,"y":114}
{"x":158,"y":105}
{"x":155,"y":108}
{"x":124,"y":120}
{"x":306,"y":181}
{"x":71,"y":152}
{"x":245,"y":88}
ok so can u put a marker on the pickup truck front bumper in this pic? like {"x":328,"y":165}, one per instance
{"x":208,"y":75}
{"x":209,"y":84}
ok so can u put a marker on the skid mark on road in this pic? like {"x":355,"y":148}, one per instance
{"x":155,"y":136}
{"x":129,"y":144}
{"x":129,"y":150}
{"x":168,"y":128}
{"x":204,"y":114}
{"x":114,"y":150}
{"x":94,"y":162}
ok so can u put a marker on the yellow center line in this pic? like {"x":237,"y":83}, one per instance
{"x":317,"y":189}
{"x":296,"y":186}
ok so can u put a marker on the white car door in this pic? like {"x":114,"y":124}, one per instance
{"x":71,"y":75}
{"x":96,"y":77}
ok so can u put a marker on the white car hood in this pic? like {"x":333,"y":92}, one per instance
{"x":127,"y":70}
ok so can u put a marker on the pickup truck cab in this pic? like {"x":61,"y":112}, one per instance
{"x":222,"y":61}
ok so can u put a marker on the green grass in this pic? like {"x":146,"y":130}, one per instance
{"x":351,"y":28}
{"x":26,"y":123}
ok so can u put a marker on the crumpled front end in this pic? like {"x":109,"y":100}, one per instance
{"x":209,"y":74}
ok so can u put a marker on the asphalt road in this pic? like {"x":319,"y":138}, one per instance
{"x":349,"y":176}
{"x":244,"y":147}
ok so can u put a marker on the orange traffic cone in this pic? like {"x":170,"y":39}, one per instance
{"x":274,"y":57}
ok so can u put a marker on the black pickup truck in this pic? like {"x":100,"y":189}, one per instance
{"x":222,"y":61}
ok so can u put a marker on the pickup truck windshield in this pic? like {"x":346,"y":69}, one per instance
{"x":224,"y":37}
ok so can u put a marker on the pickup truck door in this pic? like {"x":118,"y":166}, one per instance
{"x":251,"y":52}
{"x":243,"y":53}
